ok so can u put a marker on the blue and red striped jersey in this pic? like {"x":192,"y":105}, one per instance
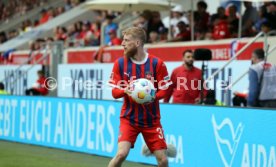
{"x":126,"y":70}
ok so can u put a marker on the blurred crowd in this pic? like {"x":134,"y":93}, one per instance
{"x":176,"y":27}
{"x":12,"y":8}
{"x":45,"y":15}
{"x":84,"y":33}
{"x":221,"y":25}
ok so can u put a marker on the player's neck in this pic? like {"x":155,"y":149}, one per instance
{"x":140,"y":56}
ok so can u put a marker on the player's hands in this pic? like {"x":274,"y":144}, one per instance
{"x":128,"y":91}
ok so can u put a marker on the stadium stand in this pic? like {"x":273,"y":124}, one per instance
{"x":221,"y":25}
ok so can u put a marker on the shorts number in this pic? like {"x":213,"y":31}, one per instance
{"x":160,"y":131}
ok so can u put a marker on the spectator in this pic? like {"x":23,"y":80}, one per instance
{"x":114,"y":40}
{"x":271,"y":15}
{"x":52,"y":13}
{"x":2,"y":89}
{"x":233,"y":21}
{"x":35,"y":48}
{"x":44,"y":16}
{"x":3,"y":37}
{"x":266,"y":27}
{"x":142,"y":21}
{"x":6,"y":54}
{"x":154,"y":23}
{"x":96,"y":30}
{"x":39,"y":87}
{"x":221,"y":30}
{"x":72,"y":35}
{"x":209,"y":35}
{"x":76,"y":2}
{"x":26,"y":26}
{"x":36,"y":23}
{"x":201,"y":20}
{"x":61,"y":33}
{"x":49,"y":41}
{"x":249,"y":18}
{"x":219,"y":15}
{"x":12,"y":34}
{"x":31,"y":45}
{"x":153,"y":37}
{"x":163,"y":34}
{"x":68,"y":5}
{"x":59,"y":10}
{"x":185,"y":87}
{"x":110,"y":25}
{"x":39,"y":44}
{"x":262,"y":81}
{"x":176,"y":17}
{"x":87,"y":35}
{"x":78,"y":26}
{"x":184,"y":34}
{"x":258,"y":25}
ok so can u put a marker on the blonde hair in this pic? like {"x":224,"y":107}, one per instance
{"x":136,"y":33}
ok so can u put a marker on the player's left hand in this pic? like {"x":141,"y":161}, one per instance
{"x":127,"y":91}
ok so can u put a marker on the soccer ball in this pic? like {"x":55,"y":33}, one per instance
{"x":142,"y":91}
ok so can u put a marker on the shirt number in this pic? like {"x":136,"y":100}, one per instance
{"x":160,"y":131}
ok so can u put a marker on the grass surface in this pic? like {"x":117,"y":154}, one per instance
{"x":22,"y":155}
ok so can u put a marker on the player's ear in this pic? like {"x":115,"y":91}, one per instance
{"x":138,"y":43}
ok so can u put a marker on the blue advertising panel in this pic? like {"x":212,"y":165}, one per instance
{"x":203,"y":135}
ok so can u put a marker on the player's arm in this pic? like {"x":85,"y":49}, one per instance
{"x":115,"y":82}
{"x":163,"y":80}
{"x":171,"y":88}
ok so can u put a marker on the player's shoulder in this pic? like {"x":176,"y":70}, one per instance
{"x":119,"y":60}
{"x":156,"y":60}
{"x":155,"y":57}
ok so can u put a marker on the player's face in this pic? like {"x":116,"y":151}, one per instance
{"x":130,"y":46}
{"x":254,"y":59}
{"x":188,"y":59}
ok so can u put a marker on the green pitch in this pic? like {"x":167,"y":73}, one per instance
{"x":22,"y":155}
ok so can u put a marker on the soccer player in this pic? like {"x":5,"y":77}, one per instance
{"x":139,"y":118}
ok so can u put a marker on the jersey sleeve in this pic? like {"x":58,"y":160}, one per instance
{"x":114,"y":82}
{"x":163,"y":80}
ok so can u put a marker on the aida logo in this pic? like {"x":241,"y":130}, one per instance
{"x":227,"y":139}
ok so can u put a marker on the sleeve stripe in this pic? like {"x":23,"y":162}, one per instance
{"x":114,"y":86}
{"x":166,"y":85}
